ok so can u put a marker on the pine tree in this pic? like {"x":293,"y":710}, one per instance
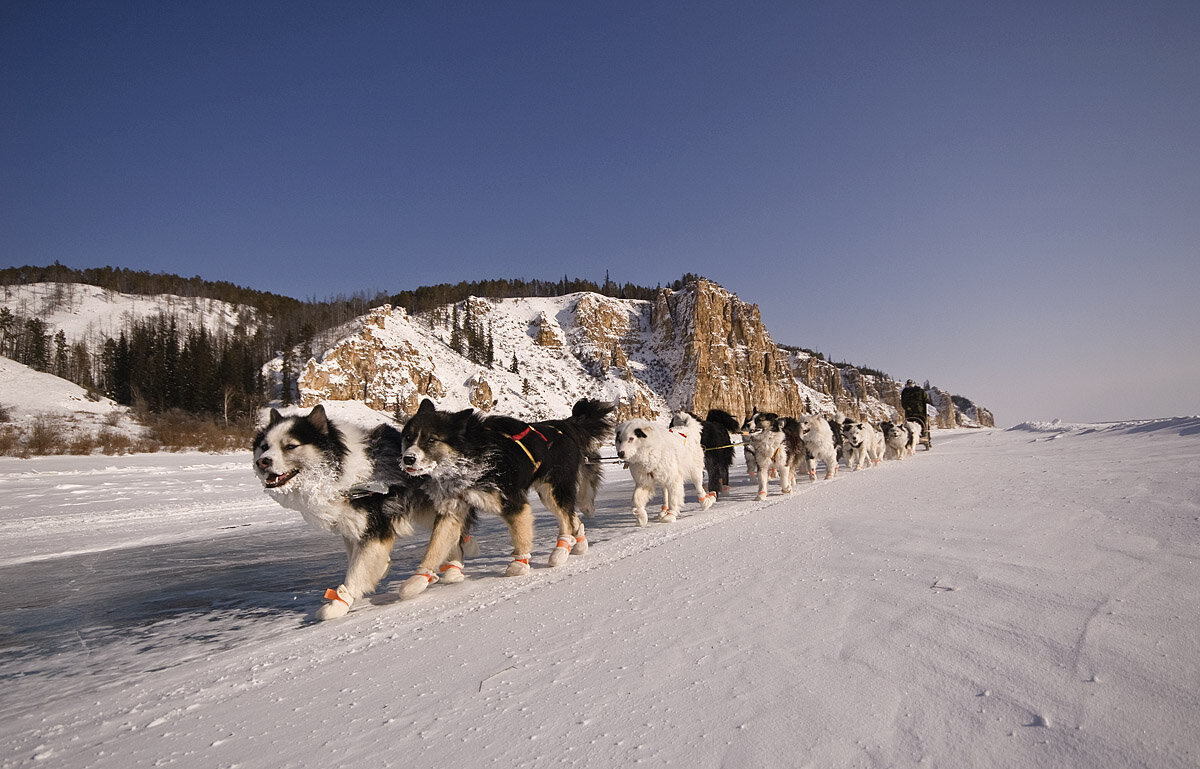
{"x":8,"y":333}
{"x":62,"y":367}
{"x":35,"y":345}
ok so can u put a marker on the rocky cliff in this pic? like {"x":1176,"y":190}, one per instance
{"x":697,"y":348}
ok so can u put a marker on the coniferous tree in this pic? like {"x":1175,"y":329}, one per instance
{"x":35,"y":345}
{"x":62,"y":367}
{"x":8,"y":333}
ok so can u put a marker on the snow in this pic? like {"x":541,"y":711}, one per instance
{"x":91,"y":314}
{"x":28,"y":396}
{"x":1012,"y":598}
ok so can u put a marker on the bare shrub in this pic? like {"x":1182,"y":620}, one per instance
{"x":45,"y":438}
{"x":11,"y":444}
{"x":112,"y":442}
{"x":84,"y":443}
{"x":179,"y":431}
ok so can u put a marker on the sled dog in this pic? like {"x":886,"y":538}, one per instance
{"x":348,"y":482}
{"x":666,"y":456}
{"x":817,"y":438}
{"x":490,"y":463}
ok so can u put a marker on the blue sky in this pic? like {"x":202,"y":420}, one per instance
{"x":1001,"y":198}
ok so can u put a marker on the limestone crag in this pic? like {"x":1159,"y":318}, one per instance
{"x":370,"y":366}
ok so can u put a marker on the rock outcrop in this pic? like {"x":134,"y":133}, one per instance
{"x":696,"y":348}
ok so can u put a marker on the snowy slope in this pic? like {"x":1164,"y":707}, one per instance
{"x":92,"y":314}
{"x":28,"y":395}
{"x":1020,"y":598}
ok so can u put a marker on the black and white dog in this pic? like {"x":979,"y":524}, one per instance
{"x":716,"y":440}
{"x":348,"y":482}
{"x":775,"y":444}
{"x":901,"y":439}
{"x":490,"y":463}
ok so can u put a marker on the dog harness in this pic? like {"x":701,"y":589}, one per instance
{"x":525,"y":434}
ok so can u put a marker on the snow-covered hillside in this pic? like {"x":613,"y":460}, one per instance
{"x":91,"y":314}
{"x":1020,"y":598}
{"x":31,"y":397}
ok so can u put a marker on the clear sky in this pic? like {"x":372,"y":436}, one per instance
{"x":1000,"y":197}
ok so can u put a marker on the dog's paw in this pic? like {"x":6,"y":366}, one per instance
{"x":518,"y":568}
{"x":640,"y":514}
{"x":558,"y":556}
{"x":470,"y":548}
{"x":707,"y":500}
{"x":332,"y":610}
{"x":451,"y":572}
{"x":762,"y":495}
{"x":668,"y":516}
{"x":416,"y":584}
{"x":338,"y":606}
{"x":581,"y":543}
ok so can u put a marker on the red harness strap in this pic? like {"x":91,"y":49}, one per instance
{"x":524,"y":433}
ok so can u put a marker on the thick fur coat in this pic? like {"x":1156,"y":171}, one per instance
{"x":490,"y":463}
{"x":663,"y":456}
{"x":817,"y":437}
{"x":716,"y":439}
{"x":774,"y":442}
{"x":348,"y":482}
{"x":863,"y":444}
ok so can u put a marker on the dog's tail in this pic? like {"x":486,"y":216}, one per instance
{"x":593,"y":421}
{"x":724,"y":419}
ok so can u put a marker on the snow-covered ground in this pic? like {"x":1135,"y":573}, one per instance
{"x":1019,"y":598}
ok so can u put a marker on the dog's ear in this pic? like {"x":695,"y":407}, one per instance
{"x":639,"y":432}
{"x":275,"y":418}
{"x":425,"y":407}
{"x":318,"y":419}
{"x":459,"y":421}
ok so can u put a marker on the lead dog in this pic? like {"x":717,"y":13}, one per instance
{"x":664,"y":456}
{"x":348,"y":482}
{"x":490,"y":463}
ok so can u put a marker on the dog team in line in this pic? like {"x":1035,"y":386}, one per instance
{"x":442,"y":469}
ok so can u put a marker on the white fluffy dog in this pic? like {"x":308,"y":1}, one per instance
{"x":817,"y":437}
{"x":654,"y":455}
{"x":864,"y":442}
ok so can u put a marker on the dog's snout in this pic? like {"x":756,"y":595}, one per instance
{"x":409,"y":460}
{"x":621,"y":454}
{"x":263,"y":462}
